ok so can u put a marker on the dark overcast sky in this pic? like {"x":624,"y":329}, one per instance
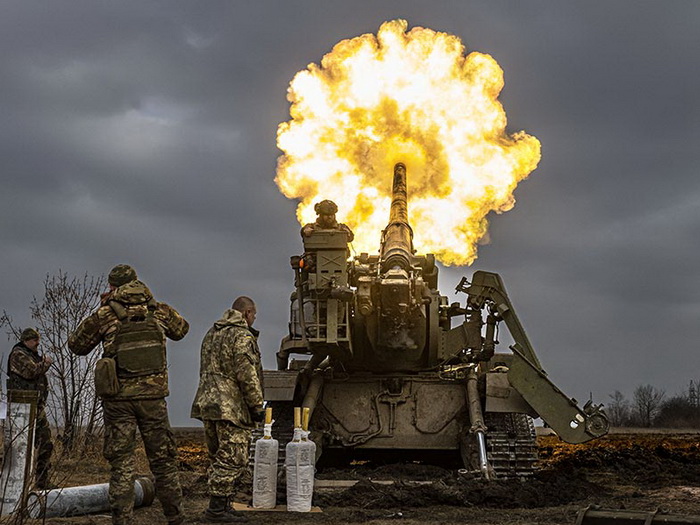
{"x":144,"y":132}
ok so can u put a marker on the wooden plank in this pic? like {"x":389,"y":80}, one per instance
{"x":279,"y":508}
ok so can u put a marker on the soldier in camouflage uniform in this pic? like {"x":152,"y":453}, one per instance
{"x":140,"y":388}
{"x":229,"y":401}
{"x":326,"y":220}
{"x":26,"y":370}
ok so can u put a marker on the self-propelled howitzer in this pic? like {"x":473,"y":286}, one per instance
{"x":388,"y":370}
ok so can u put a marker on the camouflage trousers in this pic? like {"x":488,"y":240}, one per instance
{"x":228,"y":447}
{"x":121,"y":419}
{"x":44,"y":446}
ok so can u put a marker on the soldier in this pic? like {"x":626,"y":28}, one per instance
{"x":132,"y":380}
{"x":229,"y":401}
{"x":326,"y":220}
{"x":26,"y":370}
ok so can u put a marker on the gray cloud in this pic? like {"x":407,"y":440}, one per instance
{"x":144,"y":132}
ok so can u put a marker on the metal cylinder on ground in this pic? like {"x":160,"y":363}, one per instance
{"x":87,"y":499}
{"x":596,"y":516}
{"x":265,"y":467}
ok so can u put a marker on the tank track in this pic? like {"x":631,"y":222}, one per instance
{"x":511,"y":445}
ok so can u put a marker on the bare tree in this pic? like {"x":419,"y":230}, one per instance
{"x":72,"y":402}
{"x":618,"y":410}
{"x":647,"y":401}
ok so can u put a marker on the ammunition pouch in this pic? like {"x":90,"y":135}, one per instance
{"x":140,"y":348}
{"x":106,"y":380}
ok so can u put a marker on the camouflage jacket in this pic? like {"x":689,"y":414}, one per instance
{"x":230,"y":373}
{"x":102,"y":327}
{"x":311,"y":227}
{"x":26,"y":370}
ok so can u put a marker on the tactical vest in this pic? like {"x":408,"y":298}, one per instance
{"x":17,"y":382}
{"x":139,"y":344}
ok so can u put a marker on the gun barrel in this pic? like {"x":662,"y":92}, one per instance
{"x":399,"y":197}
{"x":397,"y":244}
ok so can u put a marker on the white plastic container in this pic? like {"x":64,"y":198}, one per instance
{"x":300,"y":467}
{"x":265,"y":467}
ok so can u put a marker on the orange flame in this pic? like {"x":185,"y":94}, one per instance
{"x":414,"y":97}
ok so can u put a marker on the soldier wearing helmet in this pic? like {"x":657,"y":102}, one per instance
{"x":26,"y":370}
{"x":326,"y":210}
{"x":132,"y":380}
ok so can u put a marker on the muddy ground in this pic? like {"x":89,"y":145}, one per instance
{"x":621,"y":471}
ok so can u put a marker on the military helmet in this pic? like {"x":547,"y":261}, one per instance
{"x":326,"y":207}
{"x":121,"y":274}
{"x":28,"y":334}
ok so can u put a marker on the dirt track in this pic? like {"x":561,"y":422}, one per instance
{"x":621,"y":471}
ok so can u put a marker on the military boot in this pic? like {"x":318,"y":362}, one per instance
{"x":218,"y":511}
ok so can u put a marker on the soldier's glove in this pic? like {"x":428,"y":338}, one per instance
{"x":258,"y":416}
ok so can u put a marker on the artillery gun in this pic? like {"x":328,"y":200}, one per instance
{"x":386,"y":370}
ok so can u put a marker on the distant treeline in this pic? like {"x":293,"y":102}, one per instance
{"x":651,"y":407}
